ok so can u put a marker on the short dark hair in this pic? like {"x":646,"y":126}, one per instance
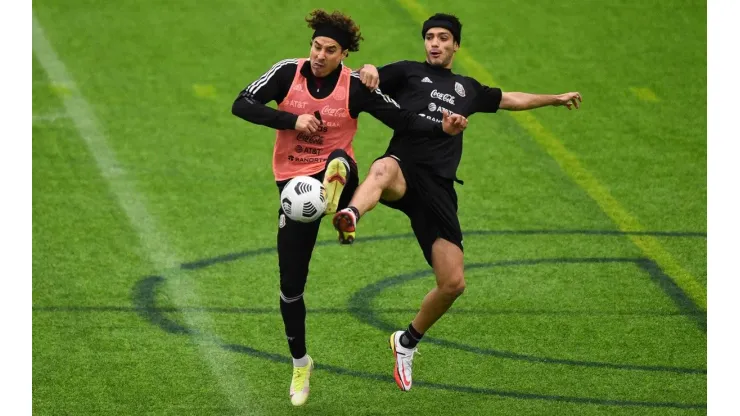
{"x":449,"y":22}
{"x":339,"y":21}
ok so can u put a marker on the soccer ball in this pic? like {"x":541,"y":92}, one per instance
{"x":303,"y":199}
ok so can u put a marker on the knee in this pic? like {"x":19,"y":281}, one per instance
{"x":453,"y":287}
{"x":292,"y":286}
{"x":290,"y":294}
{"x":379,"y":170}
{"x":338,"y":153}
{"x":382,"y":171}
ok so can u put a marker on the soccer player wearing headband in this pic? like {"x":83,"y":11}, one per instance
{"x":319,"y":100}
{"x":416,"y":174}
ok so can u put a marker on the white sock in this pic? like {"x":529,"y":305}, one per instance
{"x":300,"y":362}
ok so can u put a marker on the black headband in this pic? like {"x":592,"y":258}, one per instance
{"x":343,"y":38}
{"x":445,"y":24}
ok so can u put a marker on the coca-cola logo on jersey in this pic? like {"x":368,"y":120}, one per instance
{"x":448,"y":98}
{"x":310,"y":138}
{"x":334,"y":112}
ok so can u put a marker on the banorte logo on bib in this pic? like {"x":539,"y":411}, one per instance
{"x":448,"y":98}
{"x":334,"y":112}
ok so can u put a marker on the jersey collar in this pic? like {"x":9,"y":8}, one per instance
{"x":438,"y":69}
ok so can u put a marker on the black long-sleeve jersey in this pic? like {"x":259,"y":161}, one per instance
{"x":428,"y":90}
{"x":275,"y":83}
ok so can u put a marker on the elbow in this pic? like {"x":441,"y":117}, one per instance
{"x":241,"y":108}
{"x":235,"y":107}
{"x":511,"y":101}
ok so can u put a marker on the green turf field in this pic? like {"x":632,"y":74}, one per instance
{"x":155,"y":285}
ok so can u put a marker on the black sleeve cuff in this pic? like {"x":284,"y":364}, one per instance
{"x":286,"y":121}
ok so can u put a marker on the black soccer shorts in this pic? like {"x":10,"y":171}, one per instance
{"x":430,"y":202}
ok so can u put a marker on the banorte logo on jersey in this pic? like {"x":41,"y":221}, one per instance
{"x":448,"y":98}
{"x":335,"y":112}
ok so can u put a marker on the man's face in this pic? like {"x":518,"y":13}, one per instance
{"x":440,"y":47}
{"x":326,"y":55}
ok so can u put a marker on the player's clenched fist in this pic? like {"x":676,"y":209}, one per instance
{"x":307,"y":123}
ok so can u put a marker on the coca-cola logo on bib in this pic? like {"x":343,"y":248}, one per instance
{"x":334,"y":112}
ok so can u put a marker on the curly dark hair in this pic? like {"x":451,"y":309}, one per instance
{"x":340,"y":21}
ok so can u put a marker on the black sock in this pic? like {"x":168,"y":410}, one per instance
{"x":356,"y":212}
{"x":410,"y":337}
{"x":294,"y":318}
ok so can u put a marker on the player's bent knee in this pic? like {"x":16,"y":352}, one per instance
{"x":383,"y":171}
{"x":379,"y":171}
{"x":338,"y":153}
{"x":453,"y":287}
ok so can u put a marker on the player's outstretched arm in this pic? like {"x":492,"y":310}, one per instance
{"x":519,"y":101}
{"x":491,"y":99}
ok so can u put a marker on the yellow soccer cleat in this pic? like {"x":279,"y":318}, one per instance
{"x":334,"y":180}
{"x":299,"y":385}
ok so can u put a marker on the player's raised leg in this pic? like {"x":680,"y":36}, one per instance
{"x":337,"y":174}
{"x":385,"y":180}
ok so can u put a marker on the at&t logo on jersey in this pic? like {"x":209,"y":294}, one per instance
{"x":438,"y":108}
{"x":296,"y":104}
{"x":306,"y":149}
{"x":448,"y":98}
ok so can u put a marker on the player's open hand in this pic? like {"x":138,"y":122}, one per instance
{"x":370,"y":77}
{"x":453,"y":124}
{"x":569,"y":99}
{"x":307,"y":123}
